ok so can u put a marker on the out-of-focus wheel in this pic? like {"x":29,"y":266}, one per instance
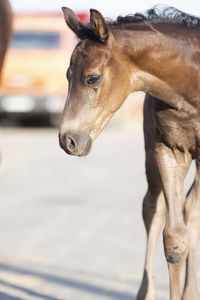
{"x":36,"y":121}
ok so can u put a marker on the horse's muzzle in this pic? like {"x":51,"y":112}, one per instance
{"x":75,"y":143}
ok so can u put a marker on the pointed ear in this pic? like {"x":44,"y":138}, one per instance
{"x":99,"y":25}
{"x":72,"y":20}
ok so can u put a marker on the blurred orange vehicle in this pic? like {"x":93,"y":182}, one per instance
{"x":34,"y":77}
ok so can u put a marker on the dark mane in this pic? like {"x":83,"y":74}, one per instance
{"x":155,"y":15}
{"x":159,"y":14}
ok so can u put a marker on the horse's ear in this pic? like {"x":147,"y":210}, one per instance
{"x":72,"y":20}
{"x":99,"y":25}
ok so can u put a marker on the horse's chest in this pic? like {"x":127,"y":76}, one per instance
{"x":179,"y":130}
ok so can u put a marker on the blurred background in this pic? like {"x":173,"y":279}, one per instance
{"x":70,"y":228}
{"x":34,"y":86}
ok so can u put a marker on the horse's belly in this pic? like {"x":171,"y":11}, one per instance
{"x":179,"y":130}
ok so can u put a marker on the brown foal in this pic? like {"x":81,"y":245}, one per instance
{"x":158,"y":53}
{"x":5,"y":29}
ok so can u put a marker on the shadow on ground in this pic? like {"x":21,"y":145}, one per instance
{"x":82,"y":286}
{"x":4,"y":296}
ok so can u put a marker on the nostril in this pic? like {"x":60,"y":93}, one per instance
{"x":75,"y":143}
{"x":71,"y":145}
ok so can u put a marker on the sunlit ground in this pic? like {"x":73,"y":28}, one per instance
{"x":71,"y":228}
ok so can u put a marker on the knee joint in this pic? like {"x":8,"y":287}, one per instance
{"x":175,"y":245}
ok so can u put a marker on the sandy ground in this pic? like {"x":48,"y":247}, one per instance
{"x":71,"y":228}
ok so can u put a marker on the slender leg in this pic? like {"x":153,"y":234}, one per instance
{"x":153,"y":203}
{"x":153,"y":216}
{"x":173,"y":167}
{"x":192,"y":220}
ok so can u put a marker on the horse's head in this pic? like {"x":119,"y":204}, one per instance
{"x":98,"y":83}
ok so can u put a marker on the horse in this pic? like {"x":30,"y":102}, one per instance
{"x":5,"y":29}
{"x":157,"y":52}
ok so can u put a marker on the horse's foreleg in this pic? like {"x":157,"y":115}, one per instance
{"x":192,"y":221}
{"x":173,"y":167}
{"x":153,"y":216}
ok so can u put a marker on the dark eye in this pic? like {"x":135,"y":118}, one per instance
{"x":94,"y":79}
{"x":69,"y":74}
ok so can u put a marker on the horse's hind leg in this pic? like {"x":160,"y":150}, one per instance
{"x":153,"y":216}
{"x":192,"y":220}
{"x":153,"y":206}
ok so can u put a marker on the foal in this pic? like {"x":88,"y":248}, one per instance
{"x":160,"y":55}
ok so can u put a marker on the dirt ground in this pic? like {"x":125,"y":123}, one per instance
{"x":70,"y":227}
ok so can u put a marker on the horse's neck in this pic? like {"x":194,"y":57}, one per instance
{"x":159,"y":66}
